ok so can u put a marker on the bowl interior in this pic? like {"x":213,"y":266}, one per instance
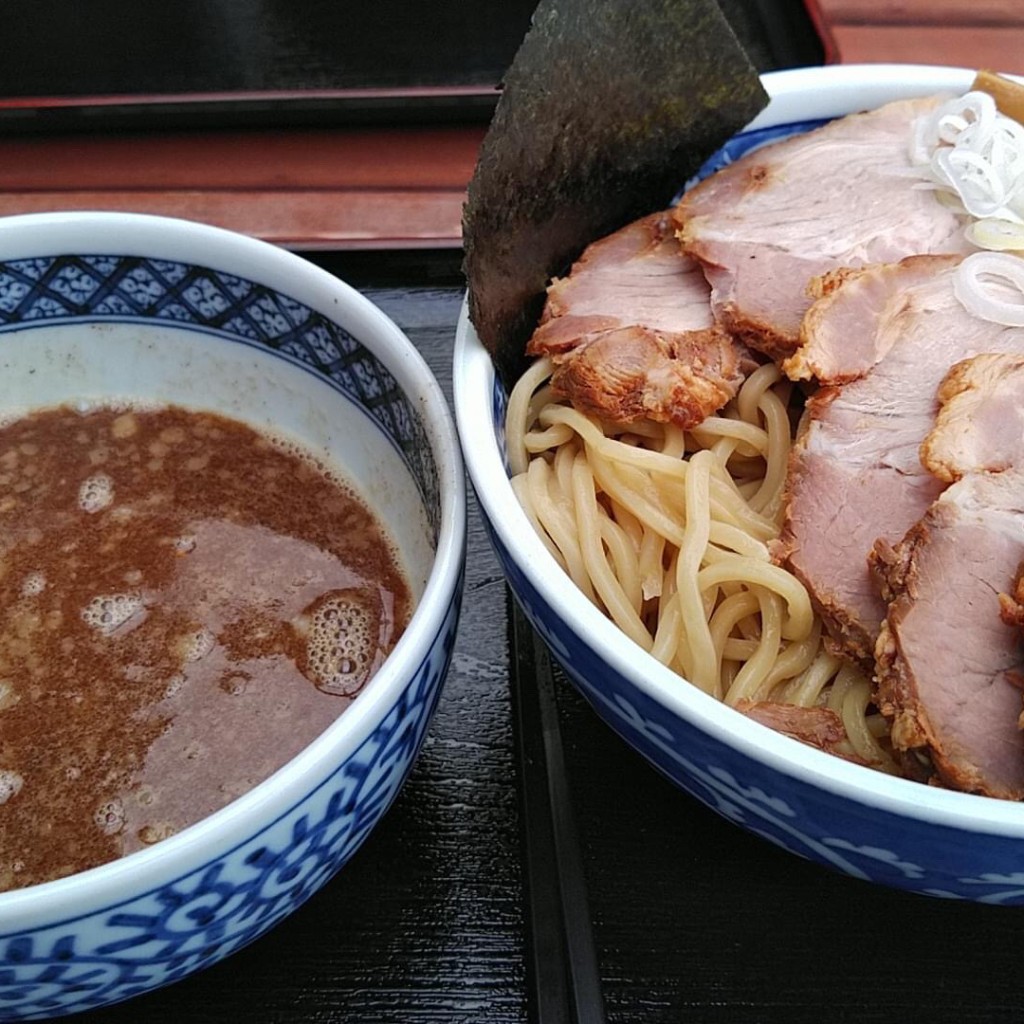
{"x":108,"y":307}
{"x":150,"y":363}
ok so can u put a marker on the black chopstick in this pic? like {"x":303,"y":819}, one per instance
{"x":562,"y":970}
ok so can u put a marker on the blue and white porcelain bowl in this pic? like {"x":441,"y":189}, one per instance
{"x":892,"y":831}
{"x":100,"y":305}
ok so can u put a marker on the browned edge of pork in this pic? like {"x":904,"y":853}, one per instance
{"x":631,"y":335}
{"x":817,"y":727}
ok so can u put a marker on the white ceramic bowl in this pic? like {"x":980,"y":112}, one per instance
{"x":850,"y":818}
{"x":101,"y":305}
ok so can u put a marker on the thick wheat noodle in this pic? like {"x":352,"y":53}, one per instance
{"x":699,"y":645}
{"x":517,"y":412}
{"x":755,"y":387}
{"x":647,"y":545}
{"x":668,"y":646}
{"x":623,"y":556}
{"x":768,"y":498}
{"x":655,"y":462}
{"x":725,"y":619}
{"x":604,"y":580}
{"x":795,"y":659}
{"x":521,"y":487}
{"x":652,"y":557}
{"x":849,"y":698}
{"x":750,"y":441}
{"x":750,"y":677}
{"x":633,"y":527}
{"x":558,"y":524}
{"x":674,"y":547}
{"x":725,"y":535}
{"x":806,"y":689}
{"x":565,"y":458}
{"x":640,"y":495}
{"x":544,"y":440}
{"x":801,"y":616}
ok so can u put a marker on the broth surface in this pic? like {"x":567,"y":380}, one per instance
{"x":184,"y":605}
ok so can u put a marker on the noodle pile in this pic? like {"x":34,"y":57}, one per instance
{"x":668,"y":533}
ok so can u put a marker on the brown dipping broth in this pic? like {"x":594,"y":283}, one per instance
{"x":184,"y":605}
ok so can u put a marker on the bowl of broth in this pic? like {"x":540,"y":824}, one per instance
{"x":233,"y":536}
{"x":667,"y":566}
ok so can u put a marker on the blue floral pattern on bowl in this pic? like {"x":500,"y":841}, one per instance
{"x":122,"y":288}
{"x":202,"y":916}
{"x":859,"y":840}
{"x":196,"y":919}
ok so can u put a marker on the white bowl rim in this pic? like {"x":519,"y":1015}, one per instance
{"x":834,"y":90}
{"x":175,"y":239}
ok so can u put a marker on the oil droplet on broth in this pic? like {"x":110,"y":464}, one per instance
{"x":342,"y":640}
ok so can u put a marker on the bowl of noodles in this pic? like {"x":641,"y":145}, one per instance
{"x":569,"y":498}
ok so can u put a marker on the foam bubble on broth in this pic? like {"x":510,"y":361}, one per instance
{"x":150,"y":834}
{"x":34,"y":584}
{"x":342,"y":640}
{"x":184,"y":544}
{"x":174,"y":684}
{"x":196,"y":645}
{"x":10,"y":784}
{"x":96,"y":493}
{"x":110,"y":817}
{"x":9,"y":696}
{"x":107,"y":613}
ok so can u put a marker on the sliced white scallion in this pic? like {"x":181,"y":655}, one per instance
{"x":991,"y":286}
{"x":973,"y":156}
{"x":970,"y":150}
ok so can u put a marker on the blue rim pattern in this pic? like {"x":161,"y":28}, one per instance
{"x":96,"y":288}
{"x":155,"y":938}
{"x":837,"y":832}
{"x":200,"y":917}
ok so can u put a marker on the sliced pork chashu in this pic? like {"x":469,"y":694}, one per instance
{"x":945,"y":655}
{"x":856,"y":474}
{"x":816,"y":726}
{"x":631,"y":333}
{"x":841,"y":196}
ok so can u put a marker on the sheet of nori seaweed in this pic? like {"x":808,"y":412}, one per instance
{"x":608,"y":107}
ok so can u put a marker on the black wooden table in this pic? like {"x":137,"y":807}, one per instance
{"x":693,"y":919}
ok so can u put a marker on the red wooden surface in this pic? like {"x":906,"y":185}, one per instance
{"x":968,"y":33}
{"x":325,"y":189}
{"x":347,"y":188}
